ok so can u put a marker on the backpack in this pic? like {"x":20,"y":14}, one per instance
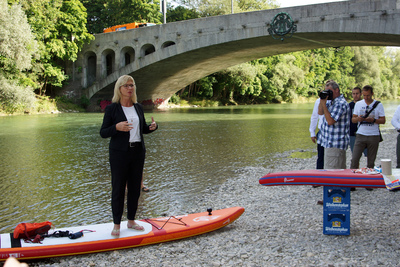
{"x":32,"y":232}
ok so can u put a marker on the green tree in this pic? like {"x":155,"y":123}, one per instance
{"x":208,"y":8}
{"x":394,"y":56}
{"x":127,"y":11}
{"x":60,"y":29}
{"x":240,"y":82}
{"x":371,"y":66}
{"x":286,"y":78}
{"x":180,"y":13}
{"x":96,"y":15}
{"x":320,"y":65}
{"x":17,"y":44}
{"x":17,"y":49}
{"x":106,"y":13}
{"x":253,"y":5}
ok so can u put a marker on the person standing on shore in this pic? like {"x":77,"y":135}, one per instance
{"x":396,"y":125}
{"x":368,"y":113}
{"x":335,"y":127}
{"x":316,"y":120}
{"x":124,"y":122}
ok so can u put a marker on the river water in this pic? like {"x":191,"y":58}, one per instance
{"x":55,"y":167}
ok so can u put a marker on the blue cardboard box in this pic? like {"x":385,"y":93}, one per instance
{"x":336,"y":198}
{"x":336,"y":222}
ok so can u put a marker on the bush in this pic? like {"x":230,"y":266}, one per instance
{"x":84,"y":102}
{"x":175,"y":99}
{"x":45,"y":104}
{"x":66,"y":104}
{"x":205,"y":103}
{"x":15,"y":98}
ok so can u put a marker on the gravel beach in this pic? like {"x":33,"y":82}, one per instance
{"x":281,"y":226}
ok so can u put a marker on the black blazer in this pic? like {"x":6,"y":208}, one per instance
{"x":113,"y":115}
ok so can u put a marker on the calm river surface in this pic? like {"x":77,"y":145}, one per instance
{"x":55,"y":167}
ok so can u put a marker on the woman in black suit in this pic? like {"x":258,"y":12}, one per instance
{"x":124,"y":122}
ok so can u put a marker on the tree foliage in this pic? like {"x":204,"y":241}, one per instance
{"x":60,"y":30}
{"x":38,"y":36}
{"x":288,"y":77}
{"x":285,"y":78}
{"x":180,"y":13}
{"x":106,"y":13}
{"x":17,"y":49}
{"x":17,"y":43}
{"x":208,"y":8}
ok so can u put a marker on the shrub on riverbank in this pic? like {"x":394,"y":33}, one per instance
{"x":39,"y":105}
{"x":15,"y":98}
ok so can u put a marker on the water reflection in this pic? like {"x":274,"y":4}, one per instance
{"x":55,"y":167}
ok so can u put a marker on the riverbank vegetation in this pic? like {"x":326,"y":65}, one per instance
{"x":289,"y":77}
{"x":37,"y":37}
{"x":297,"y":76}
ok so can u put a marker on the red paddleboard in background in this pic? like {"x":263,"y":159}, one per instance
{"x":340,"y":178}
{"x":99,"y":239}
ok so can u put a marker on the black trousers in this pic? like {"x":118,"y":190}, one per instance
{"x":126,"y":171}
{"x":320,"y":157}
{"x":398,"y":151}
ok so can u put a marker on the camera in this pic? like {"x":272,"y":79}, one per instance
{"x":326,"y":94}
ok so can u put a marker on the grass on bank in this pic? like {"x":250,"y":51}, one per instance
{"x":45,"y":105}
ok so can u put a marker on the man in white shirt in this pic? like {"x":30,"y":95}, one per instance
{"x":396,"y":124}
{"x":368,"y":134}
{"x":314,"y":121}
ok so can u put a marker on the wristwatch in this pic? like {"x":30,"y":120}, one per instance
{"x":374,"y":121}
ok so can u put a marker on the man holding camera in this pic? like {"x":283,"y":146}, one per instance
{"x":335,"y":126}
{"x":368,"y":113}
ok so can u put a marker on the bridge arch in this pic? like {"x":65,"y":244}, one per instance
{"x":190,"y":50}
{"x":167,"y":44}
{"x":147,"y":49}
{"x":127,"y":56}
{"x":90,"y":68}
{"x":107,"y":62}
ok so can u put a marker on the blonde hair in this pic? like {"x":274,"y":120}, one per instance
{"x":120,"y":82}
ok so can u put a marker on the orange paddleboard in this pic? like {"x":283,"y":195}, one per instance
{"x":98,"y":237}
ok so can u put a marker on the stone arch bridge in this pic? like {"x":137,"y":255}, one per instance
{"x":165,"y":58}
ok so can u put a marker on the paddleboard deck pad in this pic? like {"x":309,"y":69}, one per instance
{"x":98,"y":237}
{"x":337,"y":177}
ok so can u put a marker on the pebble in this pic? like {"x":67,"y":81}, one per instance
{"x":281,"y":226}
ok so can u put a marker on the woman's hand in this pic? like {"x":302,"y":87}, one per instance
{"x":153,"y":125}
{"x":124,"y":126}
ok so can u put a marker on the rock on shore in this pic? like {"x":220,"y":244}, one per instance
{"x":282,"y":226}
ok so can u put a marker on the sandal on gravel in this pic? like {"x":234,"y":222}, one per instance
{"x":145,"y":189}
{"x":135,"y":227}
{"x":115,"y":232}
